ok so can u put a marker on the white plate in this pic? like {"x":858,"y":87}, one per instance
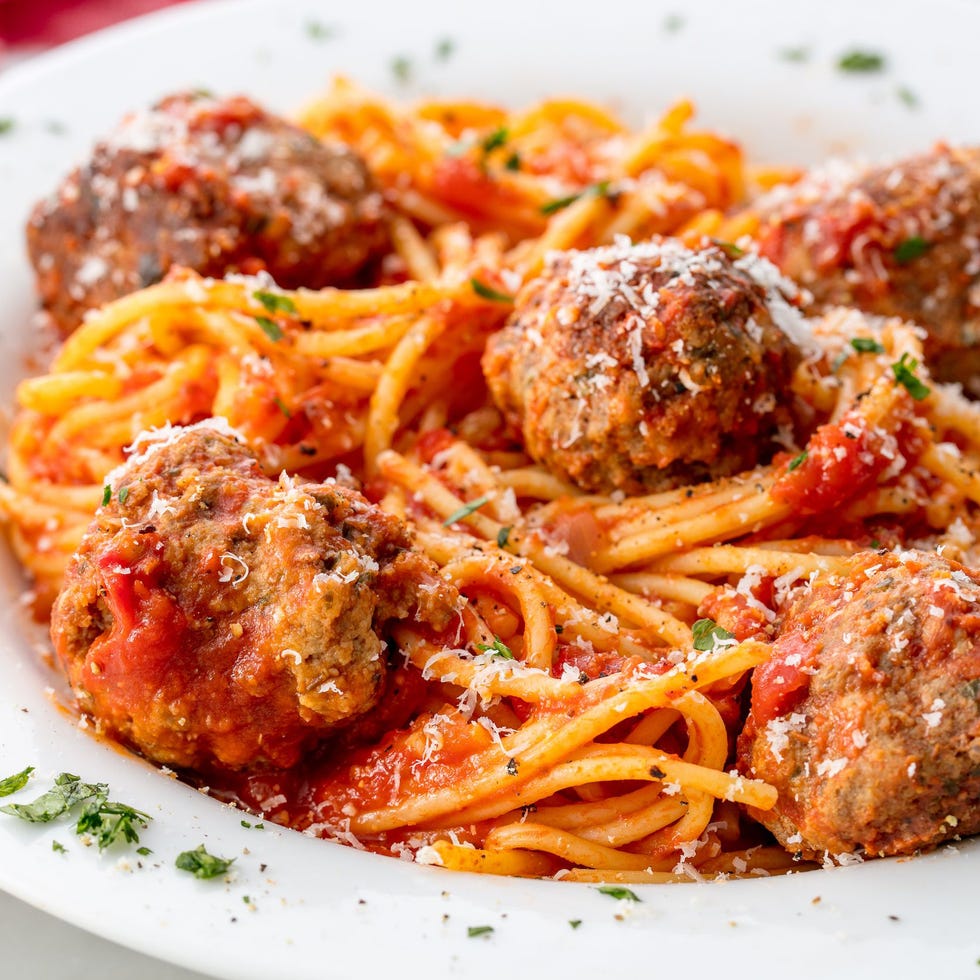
{"x":323,"y":910}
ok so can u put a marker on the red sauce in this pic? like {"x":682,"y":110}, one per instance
{"x":843,"y":460}
{"x":778,"y":686}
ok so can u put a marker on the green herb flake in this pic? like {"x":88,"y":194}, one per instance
{"x":503,"y":536}
{"x":910,"y":249}
{"x":58,"y":847}
{"x":494,"y":141}
{"x":318,"y":31}
{"x":270,"y":328}
{"x":574,"y":923}
{"x":401,"y":68}
{"x":106,"y":495}
{"x":615,"y":891}
{"x":707,"y":633}
{"x":867,"y":345}
{"x":466,"y":510}
{"x":513,"y":162}
{"x":904,"y":370}
{"x":907,"y":97}
{"x":599,"y":189}
{"x":861,"y":61}
{"x":798,"y":461}
{"x":246,"y":824}
{"x":732,"y":250}
{"x":11,"y":784}
{"x":143,"y":851}
{"x":281,"y":405}
{"x":274,"y":302}
{"x":500,"y":649}
{"x":201,"y":864}
{"x":68,"y":792}
{"x":123,"y":495}
{"x":6,"y":125}
{"x":486,"y":292}
{"x":445,"y":48}
{"x":797,"y":56}
{"x":474,"y":931}
{"x":110,"y":822}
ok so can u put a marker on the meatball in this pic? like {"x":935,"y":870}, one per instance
{"x":214,"y":618}
{"x":900,"y":240}
{"x":214,"y":185}
{"x":639,"y":367}
{"x":867,"y":718}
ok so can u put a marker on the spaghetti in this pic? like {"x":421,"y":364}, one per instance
{"x":574,"y":725}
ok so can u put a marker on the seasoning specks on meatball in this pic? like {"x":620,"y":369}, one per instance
{"x":638,"y":367}
{"x":214,"y":618}
{"x":867,"y":717}
{"x":213,"y":185}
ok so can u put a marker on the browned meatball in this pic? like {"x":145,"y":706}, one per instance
{"x":214,"y":618}
{"x":867,"y":718}
{"x":214,"y":185}
{"x":637,"y":367}
{"x":899,"y":240}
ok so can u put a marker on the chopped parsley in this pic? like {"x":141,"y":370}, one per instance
{"x":401,"y":68}
{"x":912,"y":248}
{"x":318,"y":31}
{"x":270,"y":328}
{"x":106,"y":820}
{"x":503,"y":536}
{"x":466,"y":510}
{"x":861,"y":61}
{"x":281,"y":405}
{"x":15,"y":782}
{"x":58,"y":847}
{"x":6,"y":125}
{"x":494,"y":141}
{"x":798,"y":461}
{"x":574,"y":923}
{"x":275,"y":302}
{"x":110,"y":822}
{"x":474,"y":931}
{"x":68,"y":792}
{"x":907,"y":97}
{"x":106,"y":495}
{"x":707,"y":633}
{"x":123,"y":495}
{"x":599,"y":189}
{"x":732,"y":250}
{"x":615,"y":891}
{"x":201,"y":864}
{"x":487,"y":292}
{"x":867,"y":345}
{"x":513,"y":162}
{"x":500,"y":649}
{"x":796,"y":56}
{"x":143,"y":851}
{"x":904,"y":370}
{"x":445,"y":48}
